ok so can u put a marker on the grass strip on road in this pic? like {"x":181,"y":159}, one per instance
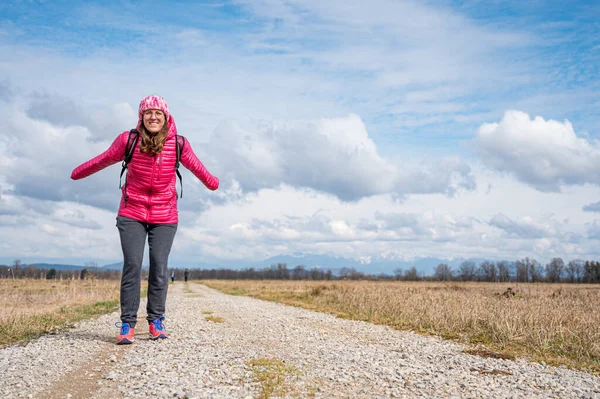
{"x":271,"y":374}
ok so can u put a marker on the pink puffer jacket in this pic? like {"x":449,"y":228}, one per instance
{"x":149,"y":193}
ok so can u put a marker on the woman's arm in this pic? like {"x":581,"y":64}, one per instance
{"x":114,"y":154}
{"x":191,"y":162}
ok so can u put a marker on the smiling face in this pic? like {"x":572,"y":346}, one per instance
{"x":154,"y":120}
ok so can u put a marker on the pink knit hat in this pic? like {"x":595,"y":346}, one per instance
{"x":156,"y":102}
{"x":153,"y":102}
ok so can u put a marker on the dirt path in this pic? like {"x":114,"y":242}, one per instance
{"x":236,"y":347}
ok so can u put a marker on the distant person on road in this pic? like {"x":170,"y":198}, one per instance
{"x":148,"y":207}
{"x":186,"y":274}
{"x":173,"y":277}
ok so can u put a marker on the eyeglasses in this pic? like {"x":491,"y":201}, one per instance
{"x":153,"y":114}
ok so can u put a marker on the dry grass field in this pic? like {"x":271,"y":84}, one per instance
{"x":555,"y":323}
{"x":31,"y":307}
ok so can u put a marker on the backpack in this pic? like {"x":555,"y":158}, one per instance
{"x":130,"y":149}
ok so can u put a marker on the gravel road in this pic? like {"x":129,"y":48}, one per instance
{"x":263,"y":349}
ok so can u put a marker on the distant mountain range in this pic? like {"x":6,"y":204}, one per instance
{"x":55,"y":266}
{"x":424,"y":266}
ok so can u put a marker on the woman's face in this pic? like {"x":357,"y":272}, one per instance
{"x":154,"y":120}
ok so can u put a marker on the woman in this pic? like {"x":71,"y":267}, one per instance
{"x":148,"y":209}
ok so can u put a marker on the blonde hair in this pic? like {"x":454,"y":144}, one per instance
{"x":153,"y":144}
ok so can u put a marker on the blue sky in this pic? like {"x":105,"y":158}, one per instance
{"x":379,"y":125}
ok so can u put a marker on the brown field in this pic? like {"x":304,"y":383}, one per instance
{"x":555,"y":323}
{"x":31,"y":307}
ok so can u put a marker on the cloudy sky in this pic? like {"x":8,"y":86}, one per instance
{"x":367,"y":130}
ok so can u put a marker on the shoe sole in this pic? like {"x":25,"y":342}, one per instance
{"x":159,"y":337}
{"x":124,"y":341}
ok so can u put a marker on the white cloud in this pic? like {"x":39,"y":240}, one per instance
{"x":286,"y":219}
{"x":593,"y":230}
{"x":49,"y":229}
{"x":526,"y":228}
{"x":43,"y":230}
{"x":594,"y":207}
{"x":333,"y":155}
{"x":40,"y":157}
{"x":544,"y":153}
{"x":16,"y":210}
{"x":332,"y":58}
{"x":341,"y":229}
{"x":191,"y":38}
{"x":75,"y":218}
{"x":103,"y":122}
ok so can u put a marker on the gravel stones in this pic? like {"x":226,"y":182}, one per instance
{"x":318,"y":355}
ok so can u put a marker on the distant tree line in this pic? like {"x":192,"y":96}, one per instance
{"x":277,"y":271}
{"x":20,"y":271}
{"x":525,"y":270}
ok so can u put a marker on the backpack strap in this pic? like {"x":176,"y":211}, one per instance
{"x":129,"y":150}
{"x":180,"y":145}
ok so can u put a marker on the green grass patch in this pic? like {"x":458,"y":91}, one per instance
{"x":272,"y":375}
{"x":215,"y":319}
{"x":236,"y":291}
{"x":20,"y":328}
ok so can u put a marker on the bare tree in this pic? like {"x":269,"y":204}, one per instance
{"x":574,"y":270}
{"x":315,"y":274}
{"x":591,"y":272}
{"x":503,"y":271}
{"x":355,"y":274}
{"x":398,"y":273}
{"x":282,"y":271}
{"x":522,"y":269}
{"x":16,"y":266}
{"x":28,"y":271}
{"x":487,"y":271}
{"x":411,"y":274}
{"x":298,"y":272}
{"x":467,"y":270}
{"x":443,"y":272}
{"x":529,"y":270}
{"x":344,"y":273}
{"x":554,"y":270}
{"x":536,"y":273}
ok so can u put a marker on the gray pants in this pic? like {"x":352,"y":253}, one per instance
{"x":133,"y":239}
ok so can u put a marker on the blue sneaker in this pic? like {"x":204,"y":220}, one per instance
{"x":125,"y":335}
{"x":157,"y":329}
